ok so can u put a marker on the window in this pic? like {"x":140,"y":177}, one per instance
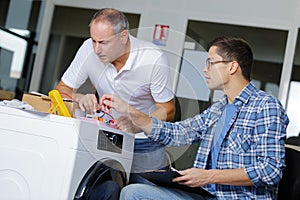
{"x":293,"y":108}
{"x":268,"y":47}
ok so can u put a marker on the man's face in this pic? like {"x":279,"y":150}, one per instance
{"x":216,"y":70}
{"x":107,"y":45}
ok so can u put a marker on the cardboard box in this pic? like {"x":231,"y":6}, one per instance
{"x":42,"y":103}
{"x":6,"y":95}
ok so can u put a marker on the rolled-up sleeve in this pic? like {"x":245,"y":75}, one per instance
{"x":176,"y":134}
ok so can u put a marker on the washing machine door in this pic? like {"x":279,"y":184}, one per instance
{"x":100,"y":172}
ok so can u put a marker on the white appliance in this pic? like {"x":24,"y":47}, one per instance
{"x":50,"y":157}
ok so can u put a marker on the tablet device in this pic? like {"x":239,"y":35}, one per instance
{"x":164,"y":178}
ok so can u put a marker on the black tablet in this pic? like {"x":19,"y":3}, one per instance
{"x":164,"y":178}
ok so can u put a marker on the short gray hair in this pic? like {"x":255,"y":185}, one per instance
{"x":116,"y":18}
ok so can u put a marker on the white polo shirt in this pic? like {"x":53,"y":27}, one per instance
{"x":142,"y":81}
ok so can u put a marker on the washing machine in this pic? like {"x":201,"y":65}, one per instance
{"x":50,"y":157}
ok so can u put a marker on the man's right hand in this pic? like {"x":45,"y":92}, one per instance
{"x":109,"y":101}
{"x":88,"y":103}
{"x":138,"y":118}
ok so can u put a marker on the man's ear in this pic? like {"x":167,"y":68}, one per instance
{"x":234,"y":67}
{"x":124,"y":36}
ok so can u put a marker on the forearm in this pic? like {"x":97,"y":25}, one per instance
{"x":140,"y":120}
{"x":164,"y":111}
{"x":162,"y":114}
{"x":67,"y":92}
{"x":236,"y":177}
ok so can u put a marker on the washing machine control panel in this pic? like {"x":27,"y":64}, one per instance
{"x":109,"y":141}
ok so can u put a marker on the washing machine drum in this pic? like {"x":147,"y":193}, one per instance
{"x":100,"y":172}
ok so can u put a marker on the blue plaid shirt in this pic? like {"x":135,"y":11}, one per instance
{"x":254,"y":141}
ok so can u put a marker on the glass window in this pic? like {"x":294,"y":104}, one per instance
{"x":18,"y":43}
{"x":268,"y":46}
{"x":293,"y":108}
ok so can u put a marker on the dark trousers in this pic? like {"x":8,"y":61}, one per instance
{"x":108,"y":190}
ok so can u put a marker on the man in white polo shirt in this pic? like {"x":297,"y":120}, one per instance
{"x":117,"y":63}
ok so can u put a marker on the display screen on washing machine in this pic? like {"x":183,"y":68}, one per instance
{"x":109,"y":141}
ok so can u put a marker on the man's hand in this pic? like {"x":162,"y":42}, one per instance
{"x":88,"y":103}
{"x":124,"y":123}
{"x":139,"y":120}
{"x":194,"y":177}
{"x":109,"y":101}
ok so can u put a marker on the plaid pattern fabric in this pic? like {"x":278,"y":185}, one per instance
{"x":255,"y":142}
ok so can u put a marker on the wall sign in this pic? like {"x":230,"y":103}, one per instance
{"x":160,"y":34}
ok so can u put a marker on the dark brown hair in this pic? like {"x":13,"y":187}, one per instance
{"x":235,"y":49}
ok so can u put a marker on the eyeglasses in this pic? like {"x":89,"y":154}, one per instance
{"x":210,"y":63}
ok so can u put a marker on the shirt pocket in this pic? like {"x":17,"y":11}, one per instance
{"x":241,"y":140}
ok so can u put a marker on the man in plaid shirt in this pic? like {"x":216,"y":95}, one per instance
{"x":241,"y":136}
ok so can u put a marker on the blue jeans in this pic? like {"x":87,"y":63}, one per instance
{"x":148,"y":155}
{"x":153,"y":192}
